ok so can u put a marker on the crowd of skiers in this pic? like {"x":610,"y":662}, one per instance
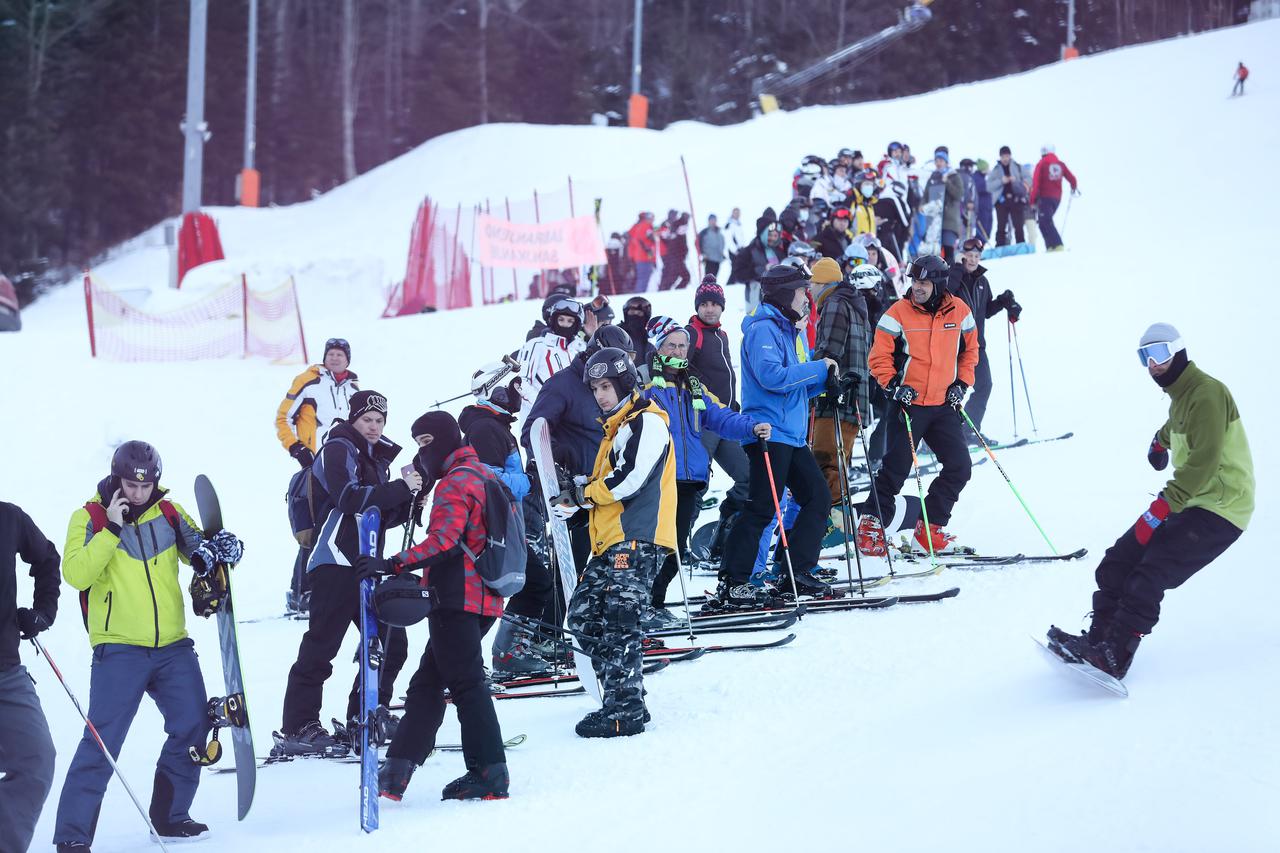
{"x":841,"y":343}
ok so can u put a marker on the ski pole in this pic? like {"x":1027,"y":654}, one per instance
{"x":1063,"y":230}
{"x":155,"y":836}
{"x":875,"y":494}
{"x":1012,"y":487}
{"x":1025,"y":389}
{"x":846,"y":505}
{"x":1013,"y":392}
{"x":408,"y":525}
{"x":924,"y":510}
{"x":684,"y":594}
{"x":782,"y":527}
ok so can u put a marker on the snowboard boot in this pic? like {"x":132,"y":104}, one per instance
{"x":870,"y":537}
{"x":1114,"y":653}
{"x":394,"y":776}
{"x":183,"y":830}
{"x":1068,"y":646}
{"x":657,"y":618}
{"x":942,"y":541}
{"x":597,"y":724}
{"x":311,"y":738}
{"x":489,"y":782}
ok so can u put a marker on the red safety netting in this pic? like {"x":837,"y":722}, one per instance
{"x":438,"y":273}
{"x":227,"y":320}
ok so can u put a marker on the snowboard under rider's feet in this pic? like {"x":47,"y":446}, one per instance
{"x":489,"y":782}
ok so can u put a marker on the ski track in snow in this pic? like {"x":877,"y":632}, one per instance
{"x":922,"y":727}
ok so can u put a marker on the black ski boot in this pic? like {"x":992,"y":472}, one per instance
{"x":807,"y":584}
{"x":310,"y":739}
{"x":183,"y":830}
{"x":1114,"y":653}
{"x":73,"y":847}
{"x":489,"y":782}
{"x":597,"y":724}
{"x":394,"y":776}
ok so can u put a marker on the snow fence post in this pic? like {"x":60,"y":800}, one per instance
{"x":88,"y":308}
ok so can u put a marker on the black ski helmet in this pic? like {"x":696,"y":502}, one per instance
{"x":610,"y":336}
{"x":613,"y":364}
{"x":929,"y":268}
{"x":781,"y":279}
{"x":566,"y":307}
{"x":638,"y":303}
{"x":137,"y":462}
{"x":402,"y":600}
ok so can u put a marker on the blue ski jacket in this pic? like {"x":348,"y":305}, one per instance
{"x":777,"y":380}
{"x":687,"y":416}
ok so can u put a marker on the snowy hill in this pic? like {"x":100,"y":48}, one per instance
{"x":917,"y":728}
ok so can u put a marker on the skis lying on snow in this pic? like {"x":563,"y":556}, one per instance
{"x":1085,"y":671}
{"x":649,"y":669}
{"x":750,"y":624}
{"x":349,"y":758}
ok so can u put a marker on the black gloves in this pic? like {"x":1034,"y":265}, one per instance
{"x":1157,"y":454}
{"x":302,"y":453}
{"x":905,"y":394}
{"x":373,"y":567}
{"x":32,"y":622}
{"x":955,"y":393}
{"x":1008,"y":303}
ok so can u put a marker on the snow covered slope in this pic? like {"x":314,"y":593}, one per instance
{"x":917,"y":728}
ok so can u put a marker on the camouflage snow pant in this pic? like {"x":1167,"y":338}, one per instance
{"x":606,"y":610}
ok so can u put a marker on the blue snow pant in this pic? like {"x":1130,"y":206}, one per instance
{"x":26,"y":759}
{"x":1045,"y":209}
{"x":121,"y":674}
{"x":790,"y":509}
{"x":644,"y":272}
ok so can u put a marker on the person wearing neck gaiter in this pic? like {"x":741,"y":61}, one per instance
{"x":464,"y":610}
{"x":1198,"y":514}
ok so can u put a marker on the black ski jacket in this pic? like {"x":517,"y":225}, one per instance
{"x":19,"y":537}
{"x":573,"y":419}
{"x":974,"y":290}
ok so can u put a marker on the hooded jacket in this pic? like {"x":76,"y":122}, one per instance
{"x":711,"y":360}
{"x":1212,"y":465}
{"x":355,"y":476}
{"x":1046,"y":182}
{"x":128,"y":577}
{"x":487,"y":428}
{"x":688,"y":414}
{"x":633,"y":480}
{"x":19,"y":537}
{"x":573,"y":419}
{"x":928,"y":350}
{"x":777,"y":383}
{"x":316,"y":399}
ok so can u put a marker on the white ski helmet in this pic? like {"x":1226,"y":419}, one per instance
{"x":865,"y":277}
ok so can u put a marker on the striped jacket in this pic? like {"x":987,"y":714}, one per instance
{"x":633,"y":485}
{"x":457,"y":516}
{"x":315,"y":400}
{"x":540,"y":359}
{"x":928,"y":351}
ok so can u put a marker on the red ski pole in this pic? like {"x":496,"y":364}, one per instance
{"x":777,"y":509}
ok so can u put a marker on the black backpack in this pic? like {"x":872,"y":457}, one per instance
{"x":501,"y":563}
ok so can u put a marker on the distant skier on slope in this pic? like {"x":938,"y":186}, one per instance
{"x":122,"y":553}
{"x":1198,"y":514}
{"x":1240,"y":76}
{"x":1046,"y":194}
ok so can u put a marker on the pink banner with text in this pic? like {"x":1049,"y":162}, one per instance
{"x":548,"y":245}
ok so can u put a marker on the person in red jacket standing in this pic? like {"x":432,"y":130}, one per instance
{"x":1241,"y":75}
{"x":1046,"y":194}
{"x":642,"y":247}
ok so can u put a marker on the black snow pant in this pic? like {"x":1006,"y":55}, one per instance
{"x":976,"y":406}
{"x":1006,"y":211}
{"x":335,"y":605}
{"x":688,"y":502}
{"x":1132,"y":580}
{"x":453,"y":659}
{"x":794,"y":468}
{"x":1045,"y":209}
{"x":940,"y":427}
{"x":301,"y":577}
{"x":710,"y":268}
{"x":26,"y":759}
{"x":675,"y":274}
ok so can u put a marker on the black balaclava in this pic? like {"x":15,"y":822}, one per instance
{"x":446,"y":438}
{"x":1171,"y":375}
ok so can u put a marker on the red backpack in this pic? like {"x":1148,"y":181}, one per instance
{"x":98,"y":518}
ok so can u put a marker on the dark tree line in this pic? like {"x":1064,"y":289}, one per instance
{"x":92,"y":91}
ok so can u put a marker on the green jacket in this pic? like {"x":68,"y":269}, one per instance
{"x":1212,"y":465}
{"x":130,"y":582}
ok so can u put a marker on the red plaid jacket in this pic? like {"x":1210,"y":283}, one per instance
{"x":456,"y":512}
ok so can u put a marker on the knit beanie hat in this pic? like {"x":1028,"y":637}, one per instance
{"x":826,"y":271}
{"x":366,"y":401}
{"x":708,"y":291}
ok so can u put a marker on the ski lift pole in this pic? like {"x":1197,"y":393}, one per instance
{"x":155,"y":836}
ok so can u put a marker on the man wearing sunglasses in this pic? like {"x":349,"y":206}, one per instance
{"x":1195,"y":518}
{"x":319,"y":397}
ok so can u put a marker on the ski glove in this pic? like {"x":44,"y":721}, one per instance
{"x":905,"y":394}
{"x":227,"y":547}
{"x":1009,"y":304}
{"x":32,"y":622}
{"x":1157,"y":455}
{"x":203,"y":558}
{"x":367,"y":566}
{"x":1150,"y":520}
{"x":955,"y":393}
{"x":302,"y":453}
{"x":569,"y":501}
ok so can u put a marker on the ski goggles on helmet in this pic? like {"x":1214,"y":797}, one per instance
{"x":1160,"y":352}
{"x":973,"y":244}
{"x":566,"y":306}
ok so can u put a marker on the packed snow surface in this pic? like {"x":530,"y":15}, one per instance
{"x":922,"y":727}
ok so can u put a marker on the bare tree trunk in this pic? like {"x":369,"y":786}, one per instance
{"x":347,"y":71}
{"x":279,"y":55}
{"x":483,"y":70}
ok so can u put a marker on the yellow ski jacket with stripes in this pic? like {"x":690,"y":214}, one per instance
{"x":315,"y":400}
{"x":128,"y":578}
{"x":633,"y":484}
